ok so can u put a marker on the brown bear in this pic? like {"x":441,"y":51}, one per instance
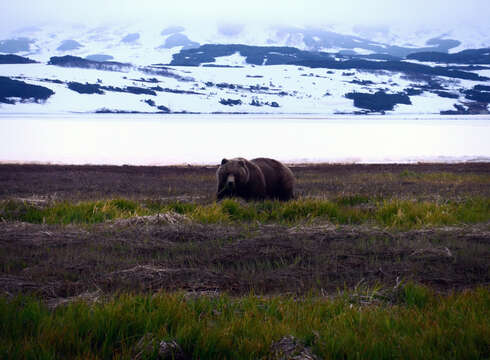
{"x":256,"y":179}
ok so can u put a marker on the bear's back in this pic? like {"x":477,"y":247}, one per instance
{"x":279,"y":178}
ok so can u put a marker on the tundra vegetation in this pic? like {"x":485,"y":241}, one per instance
{"x":369,"y":261}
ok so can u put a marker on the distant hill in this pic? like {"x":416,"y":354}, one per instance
{"x":15,"y":59}
{"x":268,"y":55}
{"x":256,"y":55}
{"x":472,"y":56}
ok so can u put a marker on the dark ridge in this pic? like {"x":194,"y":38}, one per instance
{"x":53,"y":81}
{"x":165,"y":72}
{"x":140,"y":91}
{"x":85,"y":88}
{"x":467,"y":67}
{"x":385,"y":57}
{"x":176,"y":91}
{"x":151,"y":80}
{"x":10,"y":88}
{"x":478,"y":95}
{"x":230,"y":102}
{"x":362,"y":82}
{"x":163,"y":109}
{"x":223,"y":66}
{"x":446,"y":94}
{"x":150,"y":102}
{"x":481,"y":88}
{"x":226,"y":86}
{"x":252,"y":88}
{"x":257,"y":88}
{"x":111,"y":88}
{"x":99,"y":89}
{"x":15,"y":59}
{"x":130,"y":89}
{"x":379,"y":101}
{"x":256,"y":102}
{"x":256,"y":55}
{"x":78,"y":62}
{"x":472,"y":56}
{"x":413,"y":91}
{"x":431,"y":83}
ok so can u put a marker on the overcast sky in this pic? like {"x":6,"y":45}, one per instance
{"x":16,"y":14}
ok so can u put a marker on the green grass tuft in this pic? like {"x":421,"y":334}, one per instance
{"x":352,"y":200}
{"x":414,"y":295}
{"x":70,"y":213}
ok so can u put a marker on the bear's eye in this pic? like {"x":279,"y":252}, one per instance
{"x":241,"y":163}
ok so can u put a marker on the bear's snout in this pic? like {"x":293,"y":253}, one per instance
{"x":230,"y":182}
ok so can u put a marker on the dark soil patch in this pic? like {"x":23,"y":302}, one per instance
{"x":53,"y":261}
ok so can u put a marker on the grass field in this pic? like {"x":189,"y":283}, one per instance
{"x":369,"y":261}
{"x":410,"y":322}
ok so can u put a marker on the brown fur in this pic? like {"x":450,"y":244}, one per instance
{"x":255,"y":179}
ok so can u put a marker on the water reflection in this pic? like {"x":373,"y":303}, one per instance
{"x":205,"y":139}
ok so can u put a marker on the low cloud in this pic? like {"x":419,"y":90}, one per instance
{"x":419,"y":13}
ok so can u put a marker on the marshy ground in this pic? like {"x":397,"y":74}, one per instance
{"x":91,"y":232}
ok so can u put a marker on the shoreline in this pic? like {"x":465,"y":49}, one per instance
{"x":291,"y":163}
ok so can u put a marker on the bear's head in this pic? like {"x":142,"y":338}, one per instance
{"x":232,"y":174}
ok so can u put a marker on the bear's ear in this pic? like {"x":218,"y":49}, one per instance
{"x":224,"y":161}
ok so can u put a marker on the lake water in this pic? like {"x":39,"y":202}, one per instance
{"x":206,"y":139}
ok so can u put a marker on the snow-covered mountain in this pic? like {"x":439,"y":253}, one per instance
{"x":146,"y":44}
{"x":254,"y":69}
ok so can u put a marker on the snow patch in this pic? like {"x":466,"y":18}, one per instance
{"x":235,"y":59}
